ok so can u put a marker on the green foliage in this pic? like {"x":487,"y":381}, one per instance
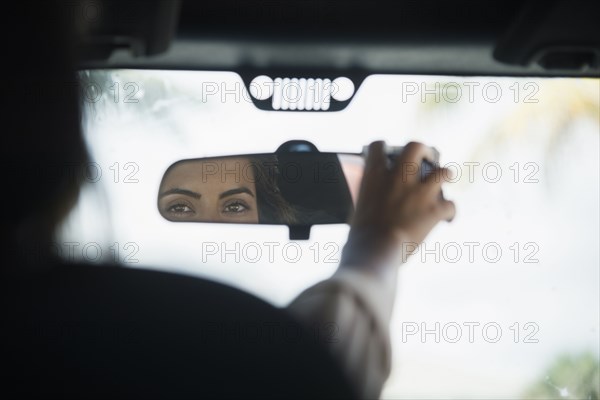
{"x":570,"y":377}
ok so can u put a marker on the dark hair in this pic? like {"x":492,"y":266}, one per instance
{"x":273,"y":208}
{"x":43,"y":140}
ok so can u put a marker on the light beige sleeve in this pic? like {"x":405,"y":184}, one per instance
{"x":360,"y":307}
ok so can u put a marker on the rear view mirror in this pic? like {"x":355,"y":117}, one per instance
{"x":297,"y":186}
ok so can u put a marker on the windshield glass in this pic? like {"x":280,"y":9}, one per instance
{"x":501,"y":303}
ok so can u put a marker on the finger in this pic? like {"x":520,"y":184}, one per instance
{"x":445,"y":210}
{"x":408,"y":163}
{"x":372,"y":177}
{"x":371,"y":180}
{"x":416,"y":151}
{"x":375,"y":166}
{"x":432,"y":184}
{"x":376,"y":158}
{"x":431,"y":188}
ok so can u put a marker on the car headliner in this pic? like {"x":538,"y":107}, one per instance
{"x":353,"y":37}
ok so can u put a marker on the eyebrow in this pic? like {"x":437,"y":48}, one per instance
{"x":180,"y":191}
{"x":231,"y":192}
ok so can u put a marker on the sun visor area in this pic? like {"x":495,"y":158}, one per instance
{"x":562,"y":36}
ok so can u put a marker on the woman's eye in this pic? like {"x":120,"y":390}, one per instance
{"x":236,"y":207}
{"x":180,"y":209}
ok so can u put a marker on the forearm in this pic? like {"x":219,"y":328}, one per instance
{"x":359,"y":305}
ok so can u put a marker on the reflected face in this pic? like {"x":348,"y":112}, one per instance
{"x":216,"y":190}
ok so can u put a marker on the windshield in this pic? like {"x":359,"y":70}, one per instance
{"x":501,"y":303}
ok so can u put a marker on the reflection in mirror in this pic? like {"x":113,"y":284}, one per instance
{"x":353,"y":167}
{"x":294,"y":189}
{"x":229,"y":189}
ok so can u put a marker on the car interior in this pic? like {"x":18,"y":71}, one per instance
{"x":214,"y":154}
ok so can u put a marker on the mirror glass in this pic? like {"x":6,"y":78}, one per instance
{"x":290,"y":188}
